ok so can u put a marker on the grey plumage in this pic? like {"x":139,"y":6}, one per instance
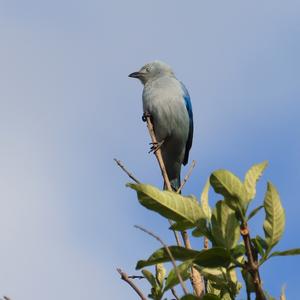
{"x":168,"y":102}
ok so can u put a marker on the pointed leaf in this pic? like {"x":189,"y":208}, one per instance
{"x":295,"y":251}
{"x":225,"y":226}
{"x":258,"y":247}
{"x":275,"y":217}
{"x":252,"y":176}
{"x":184,"y":271}
{"x":213,"y":258}
{"x":202,"y":229}
{"x":168,"y":204}
{"x":238,"y":251}
{"x":230,"y":186}
{"x":182,"y":225}
{"x":210,"y":286}
{"x":215,"y":275}
{"x":161,"y":255}
{"x":262,"y":242}
{"x":204,"y":200}
{"x":150,"y":277}
{"x":254,"y":212}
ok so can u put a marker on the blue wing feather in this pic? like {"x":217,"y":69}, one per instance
{"x":188,"y":105}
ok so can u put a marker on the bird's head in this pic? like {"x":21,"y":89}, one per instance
{"x":152,"y":71}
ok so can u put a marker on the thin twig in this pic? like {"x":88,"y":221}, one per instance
{"x":161,"y":165}
{"x":196,"y":277}
{"x":187,"y":176}
{"x":178,"y":242}
{"x":125,"y":277}
{"x":158,"y":153}
{"x":251,"y":264}
{"x":120,"y":164}
{"x":175,"y":294}
{"x":197,"y":280}
{"x":170,"y":255}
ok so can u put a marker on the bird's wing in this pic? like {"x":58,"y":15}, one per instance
{"x":188,"y":105}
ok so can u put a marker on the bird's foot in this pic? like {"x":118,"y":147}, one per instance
{"x":155,"y":146}
{"x":145,"y":116}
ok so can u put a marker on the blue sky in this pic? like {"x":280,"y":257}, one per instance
{"x":68,"y":108}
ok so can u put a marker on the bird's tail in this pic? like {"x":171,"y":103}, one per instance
{"x":175,"y":183}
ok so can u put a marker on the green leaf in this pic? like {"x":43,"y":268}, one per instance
{"x":230,"y":186}
{"x":184,"y":271}
{"x":254,"y":212}
{"x":204,"y":200}
{"x":238,"y":251}
{"x":262,"y":242}
{"x":258,"y":247}
{"x":220,"y":281}
{"x":213,"y":258}
{"x":149,"y":276}
{"x":215,"y":275}
{"x":202,"y":230}
{"x":182,"y":225}
{"x":160,"y":273}
{"x":168,"y":204}
{"x":252,"y":176}
{"x":211,"y":288}
{"x":225,"y":226}
{"x":295,"y":251}
{"x":161,"y":255}
{"x":275,"y":217}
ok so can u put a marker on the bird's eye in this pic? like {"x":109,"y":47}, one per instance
{"x":148,"y":69}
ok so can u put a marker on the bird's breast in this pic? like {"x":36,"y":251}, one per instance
{"x":163,"y":99}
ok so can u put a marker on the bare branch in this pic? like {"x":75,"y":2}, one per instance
{"x":120,"y":164}
{"x":187,"y":176}
{"x":196,"y":277}
{"x":169,"y":253}
{"x":251,"y":265}
{"x":178,"y":242}
{"x":125,"y":277}
{"x":158,"y":153}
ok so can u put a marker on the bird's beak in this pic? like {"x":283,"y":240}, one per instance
{"x":135,"y":75}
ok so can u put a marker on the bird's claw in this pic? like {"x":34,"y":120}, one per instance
{"x":145,"y":116}
{"x":155,"y":146}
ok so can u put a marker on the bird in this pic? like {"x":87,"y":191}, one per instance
{"x":168,"y":102}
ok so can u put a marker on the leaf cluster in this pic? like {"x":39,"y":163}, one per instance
{"x":223,"y":225}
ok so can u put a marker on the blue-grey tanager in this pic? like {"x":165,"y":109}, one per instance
{"x":168,"y":103}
